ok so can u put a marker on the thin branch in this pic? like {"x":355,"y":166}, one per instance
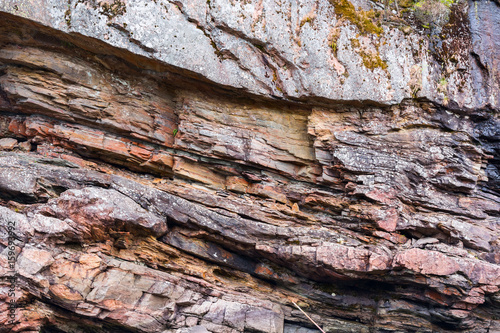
{"x":305,"y":314}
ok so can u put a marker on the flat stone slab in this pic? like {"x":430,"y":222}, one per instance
{"x":7,"y":143}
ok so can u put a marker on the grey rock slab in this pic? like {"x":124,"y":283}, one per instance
{"x":32,"y":260}
{"x":49,"y":225}
{"x":7,"y":143}
{"x":106,"y":206}
{"x":183,"y":211}
{"x":284,"y":49}
{"x":31,"y":178}
{"x":289,"y":328}
{"x":263,"y":320}
{"x":485,"y":31}
{"x":195,"y":329}
{"x":15,"y":225}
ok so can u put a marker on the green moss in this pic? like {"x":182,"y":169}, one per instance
{"x":112,"y":10}
{"x":333,"y":45}
{"x":307,"y":19}
{"x":372,"y":61}
{"x":433,"y":12}
{"x":406,"y":3}
{"x":355,"y":43}
{"x":333,"y":41}
{"x":67,"y":45}
{"x":366,"y":21}
{"x":67,"y":15}
{"x":260,"y":47}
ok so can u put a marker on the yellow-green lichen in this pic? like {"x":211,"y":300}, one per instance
{"x":116,"y":8}
{"x":372,"y":60}
{"x":333,"y":45}
{"x":433,"y":12}
{"x":366,"y":21}
{"x":334,"y":36}
{"x":112,"y":10}
{"x":67,"y":17}
{"x":305,"y":20}
{"x":442,"y":88}
{"x":406,"y":3}
{"x":355,"y":43}
{"x":276,"y":81}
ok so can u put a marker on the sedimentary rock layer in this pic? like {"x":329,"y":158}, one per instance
{"x":446,"y":52}
{"x":146,"y":198}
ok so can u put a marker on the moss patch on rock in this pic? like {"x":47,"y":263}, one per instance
{"x":112,"y":10}
{"x":433,"y":12}
{"x":372,"y":60}
{"x":366,"y":21}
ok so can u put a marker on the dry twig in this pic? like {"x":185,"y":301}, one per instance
{"x":305,"y":314}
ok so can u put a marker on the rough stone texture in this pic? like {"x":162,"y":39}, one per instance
{"x":7,"y":143}
{"x":301,"y":49}
{"x":156,"y":187}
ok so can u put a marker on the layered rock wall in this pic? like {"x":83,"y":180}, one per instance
{"x":207,"y":174}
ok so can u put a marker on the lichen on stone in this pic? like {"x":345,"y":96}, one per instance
{"x":433,"y":12}
{"x":110,"y":10}
{"x":366,"y":21}
{"x":355,"y":43}
{"x":117,"y":8}
{"x":307,"y":19}
{"x":334,"y":36}
{"x":372,"y":60}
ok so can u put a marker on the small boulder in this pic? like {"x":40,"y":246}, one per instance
{"x":24,"y":146}
{"x":7,"y":143}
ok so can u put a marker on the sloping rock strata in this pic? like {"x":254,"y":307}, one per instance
{"x":152,"y":192}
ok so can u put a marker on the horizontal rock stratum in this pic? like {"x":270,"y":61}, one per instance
{"x":327,"y":49}
{"x":210,"y":166}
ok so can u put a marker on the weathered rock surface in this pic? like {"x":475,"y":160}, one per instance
{"x":301,"y":49}
{"x":155,"y":187}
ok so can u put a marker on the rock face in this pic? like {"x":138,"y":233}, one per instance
{"x":301,"y":50}
{"x":208,"y":166}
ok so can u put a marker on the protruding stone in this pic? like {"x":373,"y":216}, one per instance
{"x":7,"y":143}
